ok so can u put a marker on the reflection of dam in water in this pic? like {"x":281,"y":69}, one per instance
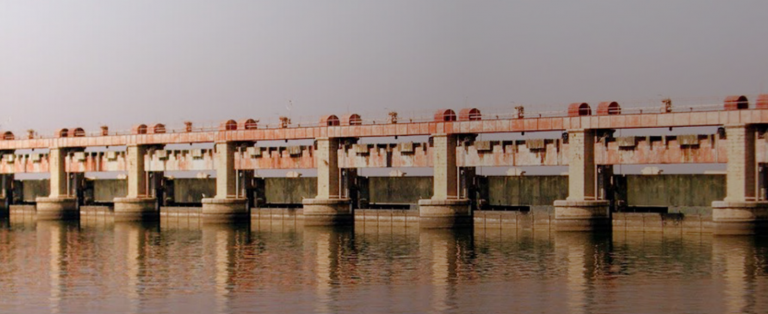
{"x":188,"y":265}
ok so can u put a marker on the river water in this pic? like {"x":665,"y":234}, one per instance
{"x":186,"y":267}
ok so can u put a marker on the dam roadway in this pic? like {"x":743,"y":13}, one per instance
{"x":587,"y":145}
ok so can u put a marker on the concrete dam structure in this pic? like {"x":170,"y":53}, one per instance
{"x":589,"y":198}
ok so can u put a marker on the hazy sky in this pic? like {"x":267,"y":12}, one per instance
{"x":91,"y":62}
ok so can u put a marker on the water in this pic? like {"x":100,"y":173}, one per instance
{"x":100,"y":267}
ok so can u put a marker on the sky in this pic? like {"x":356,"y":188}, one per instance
{"x":85,"y":63}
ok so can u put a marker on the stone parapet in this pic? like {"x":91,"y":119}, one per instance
{"x":57,"y":208}
{"x":444,"y":213}
{"x":225,"y":210}
{"x":582,"y":215}
{"x":739,"y":218}
{"x":327,"y":212}
{"x":136,"y":209}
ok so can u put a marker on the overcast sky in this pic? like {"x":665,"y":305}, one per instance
{"x":91,"y":62}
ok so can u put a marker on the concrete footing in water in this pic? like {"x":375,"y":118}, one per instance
{"x":136,"y":209}
{"x":327,"y":212}
{"x":739,"y":218}
{"x":582,"y":215}
{"x":57,"y":208}
{"x":538,"y":220}
{"x":443,"y":214}
{"x":224,"y":210}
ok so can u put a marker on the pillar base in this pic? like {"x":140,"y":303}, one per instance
{"x":225,"y":210}
{"x":582,"y":215}
{"x":444,"y":214}
{"x":135,"y":209}
{"x":739,"y":218}
{"x":57,"y":208}
{"x":327,"y":212}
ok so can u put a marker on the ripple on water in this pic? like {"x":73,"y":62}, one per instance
{"x":145,"y":268}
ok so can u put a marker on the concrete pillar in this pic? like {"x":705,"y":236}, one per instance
{"x":328,"y":207}
{"x":741,"y":169}
{"x":582,"y":210}
{"x":59,"y":205}
{"x":740,"y":212}
{"x":445,"y":209}
{"x":225,"y":207}
{"x":224,"y":161}
{"x":6,"y":194}
{"x":138,"y":205}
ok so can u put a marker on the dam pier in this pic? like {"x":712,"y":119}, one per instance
{"x":589,"y":198}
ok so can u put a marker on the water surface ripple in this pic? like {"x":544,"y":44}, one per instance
{"x":98,"y":267}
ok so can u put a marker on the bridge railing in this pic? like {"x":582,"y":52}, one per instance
{"x":379,"y":117}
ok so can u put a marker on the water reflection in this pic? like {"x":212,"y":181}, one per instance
{"x":740,"y":260}
{"x":588,"y":260}
{"x":126,"y":267}
{"x":444,"y":251}
{"x":132,"y":244}
{"x":331,"y":256}
{"x":49,"y":235}
{"x":222,"y":245}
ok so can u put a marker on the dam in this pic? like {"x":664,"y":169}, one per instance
{"x":589,"y":197}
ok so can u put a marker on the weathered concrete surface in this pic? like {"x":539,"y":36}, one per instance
{"x":57,"y":208}
{"x":106,"y":190}
{"x":192,"y":191}
{"x":399,"y":190}
{"x":444,"y":213}
{"x":585,"y":215}
{"x":686,"y":193}
{"x":327,"y":212}
{"x":289,"y":190}
{"x":539,"y":192}
{"x":680,"y":192}
{"x":739,"y":218}
{"x":135,"y":209}
{"x":35,"y":188}
{"x":227,"y":210}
